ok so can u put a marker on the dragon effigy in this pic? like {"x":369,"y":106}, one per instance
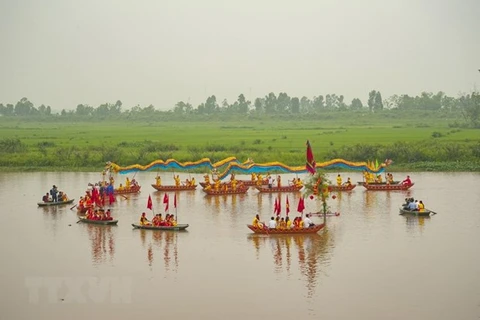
{"x":232,"y":165}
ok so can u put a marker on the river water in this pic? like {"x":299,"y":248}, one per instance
{"x":368,"y":263}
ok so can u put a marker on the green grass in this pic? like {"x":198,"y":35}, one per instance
{"x":88,"y":144}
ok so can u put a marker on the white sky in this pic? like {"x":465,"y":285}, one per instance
{"x":63,"y":52}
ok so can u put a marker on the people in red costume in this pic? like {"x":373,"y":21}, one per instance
{"x":407,"y":181}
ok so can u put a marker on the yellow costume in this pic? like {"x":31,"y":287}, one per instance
{"x":255,"y":222}
{"x":234,"y":184}
{"x":289,"y":224}
{"x":177,"y":180}
{"x":339,"y":180}
{"x":192,"y":183}
{"x":279,"y":181}
{"x":158,"y":181}
{"x":254,"y":176}
{"x":421,"y":207}
{"x":127,"y":184}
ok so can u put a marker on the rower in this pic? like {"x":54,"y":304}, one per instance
{"x":144,"y":221}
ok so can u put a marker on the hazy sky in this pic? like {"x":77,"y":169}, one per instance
{"x":62,"y":52}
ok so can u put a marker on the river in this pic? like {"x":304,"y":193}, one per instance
{"x":368,"y":263}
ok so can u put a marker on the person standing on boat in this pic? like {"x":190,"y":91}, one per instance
{"x":54,"y":192}
{"x":158,"y":181}
{"x":177,"y":180}
{"x":279,"y":181}
{"x":339,"y":180}
{"x":270,"y":181}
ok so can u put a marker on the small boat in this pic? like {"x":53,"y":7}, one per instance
{"x":424,"y":213}
{"x":313,"y":229}
{"x":329,"y":214}
{"x":343,"y":187}
{"x":51,"y":203}
{"x":278,"y":189}
{"x":178,"y":227}
{"x":174,"y":188}
{"x":213,"y":192}
{"x":383,"y":187}
{"x":133,"y":189}
{"x":102,"y":222}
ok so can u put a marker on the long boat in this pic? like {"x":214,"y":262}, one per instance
{"x":424,"y":213}
{"x":313,"y":229}
{"x":57,"y":203}
{"x":381,"y":183}
{"x":335,"y":187}
{"x":220,"y":192}
{"x":173,"y":188}
{"x":101,"y":222}
{"x":328,"y":214}
{"x":133,"y":189}
{"x":278,"y":189}
{"x":247,"y":183}
{"x":178,"y":227}
{"x":383,"y":187}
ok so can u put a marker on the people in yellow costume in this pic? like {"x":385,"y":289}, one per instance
{"x":421,"y":206}
{"x":120,"y":188}
{"x":192,"y":182}
{"x":217,"y":185}
{"x":279,"y":181}
{"x":256,"y":222}
{"x":158,"y":181}
{"x":282,"y":225}
{"x":379,"y":178}
{"x":234,"y":184}
{"x":259,"y":179}
{"x":127,"y":183}
{"x":288,"y":222}
{"x":349,"y":182}
{"x":207,"y":179}
{"x":339,"y":180}
{"x":144,"y":221}
{"x":298,"y":183}
{"x":254,"y":176}
{"x":177,"y":180}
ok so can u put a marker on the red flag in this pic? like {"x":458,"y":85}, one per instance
{"x":279,"y":209}
{"x":310,"y":165}
{"x":288,"y":206}
{"x":165,"y":200}
{"x":275,"y":208}
{"x":175,"y":200}
{"x":301,"y":205}
{"x":149,"y":203}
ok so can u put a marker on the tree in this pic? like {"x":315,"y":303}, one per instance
{"x":24,"y":107}
{"x":371,"y":100}
{"x":259,"y":105}
{"x":283,"y":102}
{"x":270,"y":103}
{"x":295,"y":105}
{"x":470,"y":108}
{"x":378,"y":103}
{"x":318,"y":103}
{"x":356,"y":104}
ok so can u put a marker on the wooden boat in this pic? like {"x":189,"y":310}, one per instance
{"x":425,"y":213}
{"x":101,"y":222}
{"x":313,"y":229}
{"x":335,"y":187}
{"x":329,"y":214}
{"x":381,"y":183}
{"x":178,"y":227}
{"x":133,"y":189}
{"x":266,"y":189}
{"x":213,"y":192}
{"x":174,"y":188}
{"x":387,"y":187}
{"x":58,"y":203}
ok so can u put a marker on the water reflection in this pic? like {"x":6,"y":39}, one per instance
{"x":161,"y":244}
{"x":307,"y":253}
{"x":102,"y":241}
{"x":416,"y":224}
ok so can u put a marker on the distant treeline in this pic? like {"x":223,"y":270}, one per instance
{"x":467,"y":106}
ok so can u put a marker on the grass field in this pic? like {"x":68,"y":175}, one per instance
{"x":87,"y":144}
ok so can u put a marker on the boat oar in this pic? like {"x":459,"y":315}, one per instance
{"x":124,"y":196}
{"x":73,"y":206}
{"x":432,"y":211}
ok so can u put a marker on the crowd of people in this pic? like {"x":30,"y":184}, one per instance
{"x":98,"y":214}
{"x":54,"y":195}
{"x":280,"y":223}
{"x":158,"y":221}
{"x":413,"y":205}
{"x":341,"y":183}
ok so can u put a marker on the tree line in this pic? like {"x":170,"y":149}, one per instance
{"x":468,"y":105}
